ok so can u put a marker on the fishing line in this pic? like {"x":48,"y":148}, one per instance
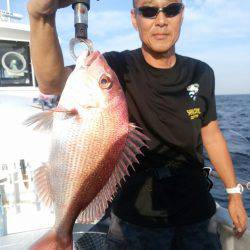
{"x":240,"y":135}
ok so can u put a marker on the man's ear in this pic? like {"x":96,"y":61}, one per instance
{"x":133,"y":19}
{"x":182,"y":15}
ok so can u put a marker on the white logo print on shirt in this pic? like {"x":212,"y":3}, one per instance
{"x":193,"y":90}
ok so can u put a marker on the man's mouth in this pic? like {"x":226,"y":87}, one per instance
{"x":160,"y":36}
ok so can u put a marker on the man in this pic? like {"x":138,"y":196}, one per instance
{"x":165,"y":204}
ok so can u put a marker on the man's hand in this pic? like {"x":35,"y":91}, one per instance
{"x":46,"y":51}
{"x":238,"y":214}
{"x":38,"y":8}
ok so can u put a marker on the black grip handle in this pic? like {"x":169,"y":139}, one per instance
{"x":81,"y":31}
{"x":86,"y":2}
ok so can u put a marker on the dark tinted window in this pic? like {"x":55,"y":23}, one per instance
{"x":15,"y":65}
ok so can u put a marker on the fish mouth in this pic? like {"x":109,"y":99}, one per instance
{"x":91,"y":58}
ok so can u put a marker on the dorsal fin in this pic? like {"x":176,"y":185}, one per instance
{"x":95,"y":210}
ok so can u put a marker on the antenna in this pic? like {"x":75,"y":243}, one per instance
{"x":8,"y":5}
{"x":7,"y":15}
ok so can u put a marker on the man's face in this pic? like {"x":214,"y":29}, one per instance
{"x":161,"y":33}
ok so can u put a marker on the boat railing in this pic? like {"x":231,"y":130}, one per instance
{"x":18,"y":200}
{"x":244,"y":183}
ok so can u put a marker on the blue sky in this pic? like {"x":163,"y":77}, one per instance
{"x":214,"y":31}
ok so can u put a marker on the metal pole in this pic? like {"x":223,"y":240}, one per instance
{"x":24,"y":173}
{"x":8,"y":5}
{"x":3,"y":217}
{"x":16,"y":192}
{"x":8,"y":8}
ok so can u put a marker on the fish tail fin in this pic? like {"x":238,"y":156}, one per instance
{"x":135,"y":141}
{"x":42,"y":184}
{"x":52,"y":241}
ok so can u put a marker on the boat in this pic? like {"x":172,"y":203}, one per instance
{"x":23,"y":219}
{"x":19,"y":146}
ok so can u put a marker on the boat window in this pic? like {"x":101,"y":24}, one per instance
{"x":15,"y":64}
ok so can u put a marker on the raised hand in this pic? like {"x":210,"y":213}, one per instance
{"x":38,"y":8}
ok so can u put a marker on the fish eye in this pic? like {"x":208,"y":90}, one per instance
{"x":105,"y":82}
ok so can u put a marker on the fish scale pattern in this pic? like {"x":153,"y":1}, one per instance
{"x":97,"y":207}
{"x":101,"y":145}
{"x":76,"y":160}
{"x":78,"y":154}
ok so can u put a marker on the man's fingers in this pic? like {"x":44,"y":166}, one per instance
{"x":236,"y":220}
{"x":240,"y":225}
{"x":237,"y":224}
{"x":238,"y":215}
{"x":238,"y":234}
{"x":242,"y":217}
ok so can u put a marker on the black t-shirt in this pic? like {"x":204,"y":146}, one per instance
{"x":171,"y":106}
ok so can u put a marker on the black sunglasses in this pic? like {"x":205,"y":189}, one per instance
{"x":171,"y":10}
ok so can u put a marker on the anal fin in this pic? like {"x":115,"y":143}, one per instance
{"x":42,"y":185}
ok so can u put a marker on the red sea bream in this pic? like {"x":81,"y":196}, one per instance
{"x":93,"y":144}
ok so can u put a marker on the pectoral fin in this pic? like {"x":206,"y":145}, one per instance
{"x":44,"y":120}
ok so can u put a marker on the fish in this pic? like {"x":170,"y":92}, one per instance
{"x":92,"y":146}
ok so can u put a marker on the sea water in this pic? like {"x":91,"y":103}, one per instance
{"x":233,"y":113}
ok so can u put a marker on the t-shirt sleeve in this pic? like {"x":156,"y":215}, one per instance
{"x":113,"y":59}
{"x":116,"y":61}
{"x":210,"y":113}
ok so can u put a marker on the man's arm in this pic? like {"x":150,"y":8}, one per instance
{"x":216,"y":147}
{"x":46,"y":52}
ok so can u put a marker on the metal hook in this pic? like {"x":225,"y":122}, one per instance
{"x":75,"y":41}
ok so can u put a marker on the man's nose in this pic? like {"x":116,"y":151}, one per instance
{"x":161,"y":19}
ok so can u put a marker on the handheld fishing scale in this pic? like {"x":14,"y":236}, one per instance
{"x":81,"y":9}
